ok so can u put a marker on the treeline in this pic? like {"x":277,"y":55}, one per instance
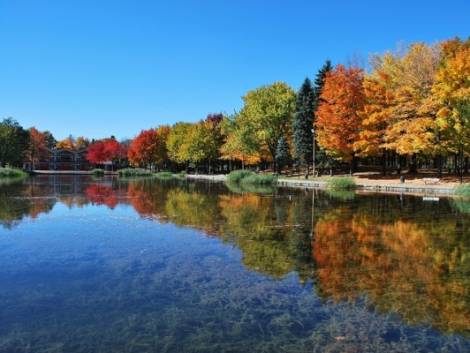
{"x":410,"y":110}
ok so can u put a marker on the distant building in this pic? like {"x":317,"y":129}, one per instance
{"x":61,"y":159}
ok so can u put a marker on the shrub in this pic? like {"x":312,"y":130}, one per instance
{"x":247,"y":177}
{"x":182,"y":174}
{"x":164,"y":175}
{"x":237,"y":175}
{"x":263,"y":179}
{"x":12,"y":173}
{"x":342,"y":183}
{"x":463,"y":190}
{"x":97,"y":172}
{"x":134,"y":172}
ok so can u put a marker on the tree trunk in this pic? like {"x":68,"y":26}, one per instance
{"x":439,"y":166}
{"x":384,"y":163}
{"x":413,"y":164}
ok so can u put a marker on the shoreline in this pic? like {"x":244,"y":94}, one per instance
{"x":388,"y":188}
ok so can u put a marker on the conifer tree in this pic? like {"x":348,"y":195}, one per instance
{"x":322,"y":160}
{"x":320,"y":81}
{"x":303,"y":123}
{"x":283,"y":156}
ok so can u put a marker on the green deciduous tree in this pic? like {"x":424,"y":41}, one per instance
{"x":13,"y":142}
{"x":267,"y":114}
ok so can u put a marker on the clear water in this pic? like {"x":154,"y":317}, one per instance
{"x":101,"y":265}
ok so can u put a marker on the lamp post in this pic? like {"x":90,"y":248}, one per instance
{"x":313,"y":153}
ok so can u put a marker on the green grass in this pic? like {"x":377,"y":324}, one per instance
{"x":97,"y":172}
{"x":342,"y":183}
{"x":164,"y":175}
{"x":134,"y":172}
{"x":250,"y":178}
{"x":12,"y":173}
{"x":463,"y":190}
{"x":237,"y":175}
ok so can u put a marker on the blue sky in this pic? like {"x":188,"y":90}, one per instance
{"x":100,"y":68}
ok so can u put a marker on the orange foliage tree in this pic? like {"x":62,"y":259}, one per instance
{"x":338,"y":116}
{"x":37,"y":146}
{"x":149,"y":148}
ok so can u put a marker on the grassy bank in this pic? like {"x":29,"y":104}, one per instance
{"x":12,"y":173}
{"x":140,"y":172}
{"x":250,"y":178}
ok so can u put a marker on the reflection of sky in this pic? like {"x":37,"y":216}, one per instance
{"x":108,"y":278}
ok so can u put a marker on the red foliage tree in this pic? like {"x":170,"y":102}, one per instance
{"x":147,"y":148}
{"x":103,"y":150}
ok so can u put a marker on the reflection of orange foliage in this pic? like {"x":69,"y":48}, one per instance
{"x":396,"y":265}
{"x":102,"y":195}
{"x":140,"y":200}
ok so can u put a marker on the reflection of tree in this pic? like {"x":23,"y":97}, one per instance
{"x":100,"y":194}
{"x":404,"y":256}
{"x":420,"y":271}
{"x":21,"y":199}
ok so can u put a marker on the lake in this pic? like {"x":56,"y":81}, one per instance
{"x":108,"y":265}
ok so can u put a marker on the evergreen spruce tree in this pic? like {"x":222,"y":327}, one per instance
{"x":320,"y":81}
{"x":303,"y":123}
{"x":283,"y":156}
{"x":322,"y":160}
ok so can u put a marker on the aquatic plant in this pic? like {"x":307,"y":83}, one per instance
{"x":342,"y":183}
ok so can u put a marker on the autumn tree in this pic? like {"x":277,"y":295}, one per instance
{"x":67,"y":143}
{"x":412,"y":128}
{"x":375,"y":117}
{"x":302,"y":125}
{"x":338,"y":116}
{"x":240,"y":144}
{"x":37,"y":146}
{"x":81,"y":143}
{"x":176,"y":143}
{"x":267,"y":113}
{"x":204,"y":140}
{"x":452,"y":89}
{"x":101,"y":151}
{"x":148,"y":148}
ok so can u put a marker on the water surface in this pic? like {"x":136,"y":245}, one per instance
{"x":102,"y":265}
